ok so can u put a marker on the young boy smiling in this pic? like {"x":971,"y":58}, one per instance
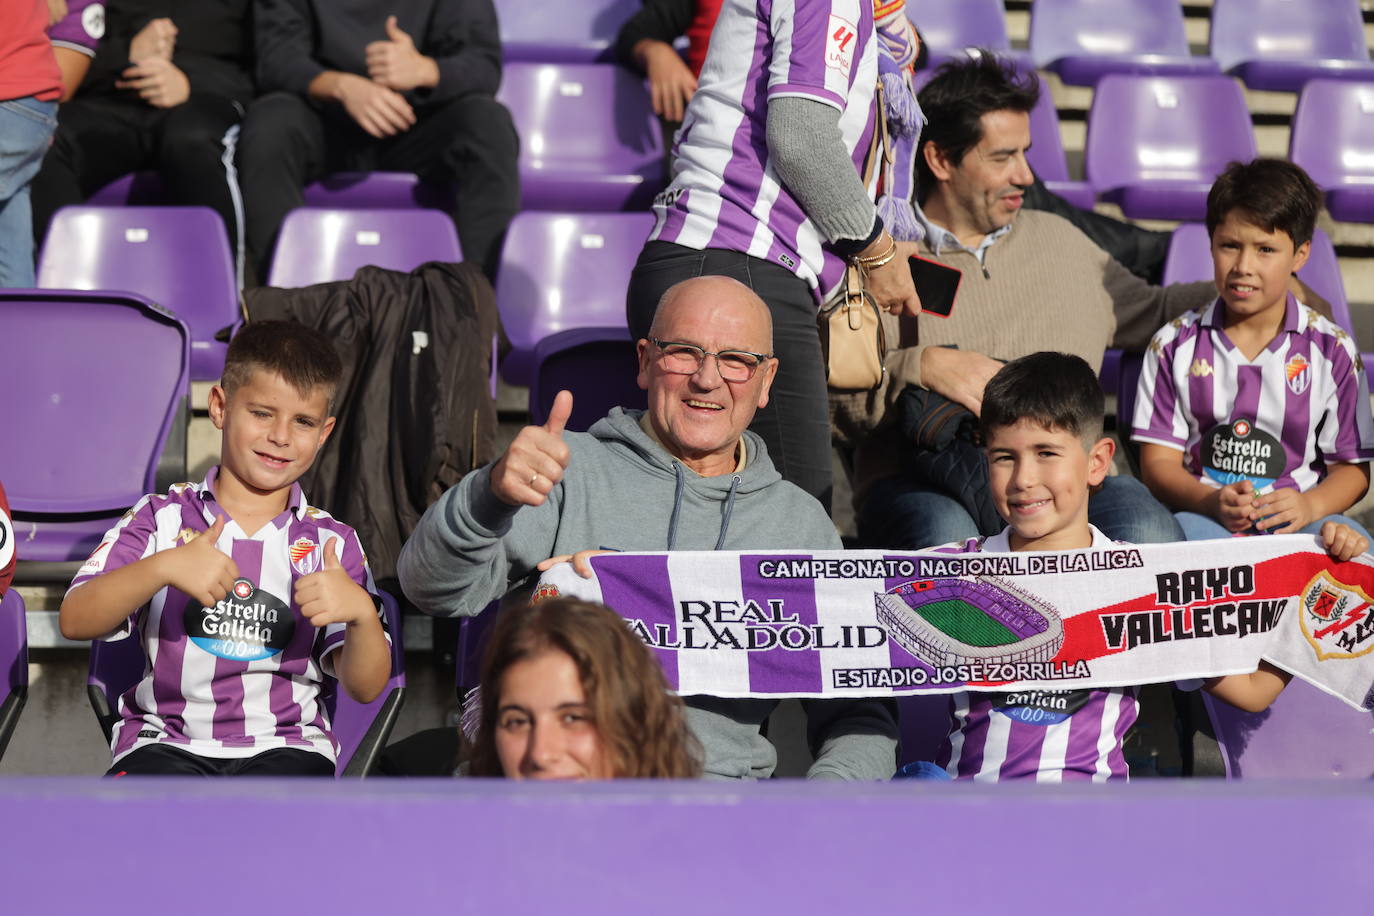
{"x":1253,"y":413}
{"x":1042,"y":422}
{"x":244,"y":595}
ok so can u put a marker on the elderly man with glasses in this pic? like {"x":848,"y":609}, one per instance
{"x":683,"y":475}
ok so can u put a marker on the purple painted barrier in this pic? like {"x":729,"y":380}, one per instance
{"x":421,"y":846}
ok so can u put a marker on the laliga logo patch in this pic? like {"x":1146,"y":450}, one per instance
{"x":1241,"y":451}
{"x":246,"y":625}
{"x":1336,"y":618}
{"x":841,"y":38}
{"x":543,"y":593}
{"x":305,"y":556}
{"x":1298,"y":373}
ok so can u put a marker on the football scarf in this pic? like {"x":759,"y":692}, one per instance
{"x":881,"y":623}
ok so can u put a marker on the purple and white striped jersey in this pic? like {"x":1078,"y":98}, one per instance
{"x":243,"y":676}
{"x":725,"y":192}
{"x":82,"y":28}
{"x":1277,"y":420}
{"x":1045,"y":735}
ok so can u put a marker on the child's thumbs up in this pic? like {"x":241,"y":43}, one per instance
{"x":211,"y":534}
{"x":393,"y":31}
{"x":331,"y":559}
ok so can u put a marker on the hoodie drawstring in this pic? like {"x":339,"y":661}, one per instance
{"x":729,"y":507}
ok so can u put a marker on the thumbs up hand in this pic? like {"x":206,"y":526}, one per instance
{"x":535,"y":461}
{"x":329,"y":595}
{"x":199,"y":569}
{"x":397,"y":64}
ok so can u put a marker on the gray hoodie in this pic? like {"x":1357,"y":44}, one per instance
{"x":622,"y":491}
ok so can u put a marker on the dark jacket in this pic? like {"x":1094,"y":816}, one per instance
{"x":297,"y":40}
{"x":414,"y":407}
{"x":214,"y":45}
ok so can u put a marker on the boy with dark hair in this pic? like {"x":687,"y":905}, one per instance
{"x":244,"y":595}
{"x":1253,"y":413}
{"x":1042,"y":430}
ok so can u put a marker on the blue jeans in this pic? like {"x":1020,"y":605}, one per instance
{"x":1198,"y":527}
{"x":901,"y":514}
{"x":26,"y":126}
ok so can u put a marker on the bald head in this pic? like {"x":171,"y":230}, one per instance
{"x":721,"y":295}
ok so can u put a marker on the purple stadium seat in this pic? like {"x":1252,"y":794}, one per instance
{"x":316,"y":246}
{"x":142,"y":189}
{"x":1129,"y":367}
{"x":561,"y":271}
{"x":589,"y":139}
{"x":1155,"y":144}
{"x":116,"y":667}
{"x":14,"y":664}
{"x":1083,"y":40}
{"x":376,"y":191}
{"x":924,"y":723}
{"x":1190,"y":259}
{"x":95,"y":404}
{"x":579,"y":31}
{"x":1046,"y":155}
{"x":952,"y":26}
{"x":1333,"y":139}
{"x":1304,"y":735}
{"x":1281,"y":44}
{"x":176,"y":256}
{"x":598,"y":365}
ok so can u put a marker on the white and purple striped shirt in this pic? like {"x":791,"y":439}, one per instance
{"x":1278,"y":420}
{"x":725,"y":192}
{"x":1045,"y":735}
{"x":244,"y":676}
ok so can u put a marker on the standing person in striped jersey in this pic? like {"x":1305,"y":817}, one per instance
{"x":1253,"y":413}
{"x":767,"y":189}
{"x":1042,"y":425}
{"x":244,"y":595}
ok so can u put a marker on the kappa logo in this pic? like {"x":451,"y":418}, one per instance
{"x":543,"y":593}
{"x":1200,"y":368}
{"x":842,"y":38}
{"x":305,"y":557}
{"x":186,"y":535}
{"x":242,"y":589}
{"x":1298,"y":373}
{"x":1336,"y":618}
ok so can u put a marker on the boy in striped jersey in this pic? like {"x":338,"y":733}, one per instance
{"x":1253,"y":413}
{"x":244,"y":595}
{"x":1042,"y":424}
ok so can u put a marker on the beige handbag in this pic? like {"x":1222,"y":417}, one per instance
{"x":851,"y":328}
{"x":852,"y":338}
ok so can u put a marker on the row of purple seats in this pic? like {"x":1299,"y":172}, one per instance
{"x":1269,"y":44}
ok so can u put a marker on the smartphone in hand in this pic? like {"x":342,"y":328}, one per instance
{"x":937,"y":284}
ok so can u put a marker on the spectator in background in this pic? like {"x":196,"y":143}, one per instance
{"x":407,"y":85}
{"x":75,"y":35}
{"x":164,"y":93}
{"x":570,"y":692}
{"x":30,"y":85}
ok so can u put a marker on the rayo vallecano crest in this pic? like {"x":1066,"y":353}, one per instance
{"x":1337,"y":619}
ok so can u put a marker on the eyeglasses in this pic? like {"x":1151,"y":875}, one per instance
{"x":687,"y":359}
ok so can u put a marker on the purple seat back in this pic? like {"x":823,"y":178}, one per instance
{"x":577,"y":31}
{"x":316,"y":246}
{"x":589,"y":139}
{"x":136,"y":188}
{"x":103,"y":376}
{"x":1046,"y":154}
{"x":1333,"y":139}
{"x":561,"y":271}
{"x":1280,"y":44}
{"x":1082,"y":40}
{"x":376,"y":191}
{"x":924,"y":723}
{"x":950,"y":26}
{"x":1304,"y":735}
{"x":176,"y":256}
{"x":14,"y":664}
{"x":1190,"y":259}
{"x":361,"y":729}
{"x":598,"y":365}
{"x":1155,"y":144}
